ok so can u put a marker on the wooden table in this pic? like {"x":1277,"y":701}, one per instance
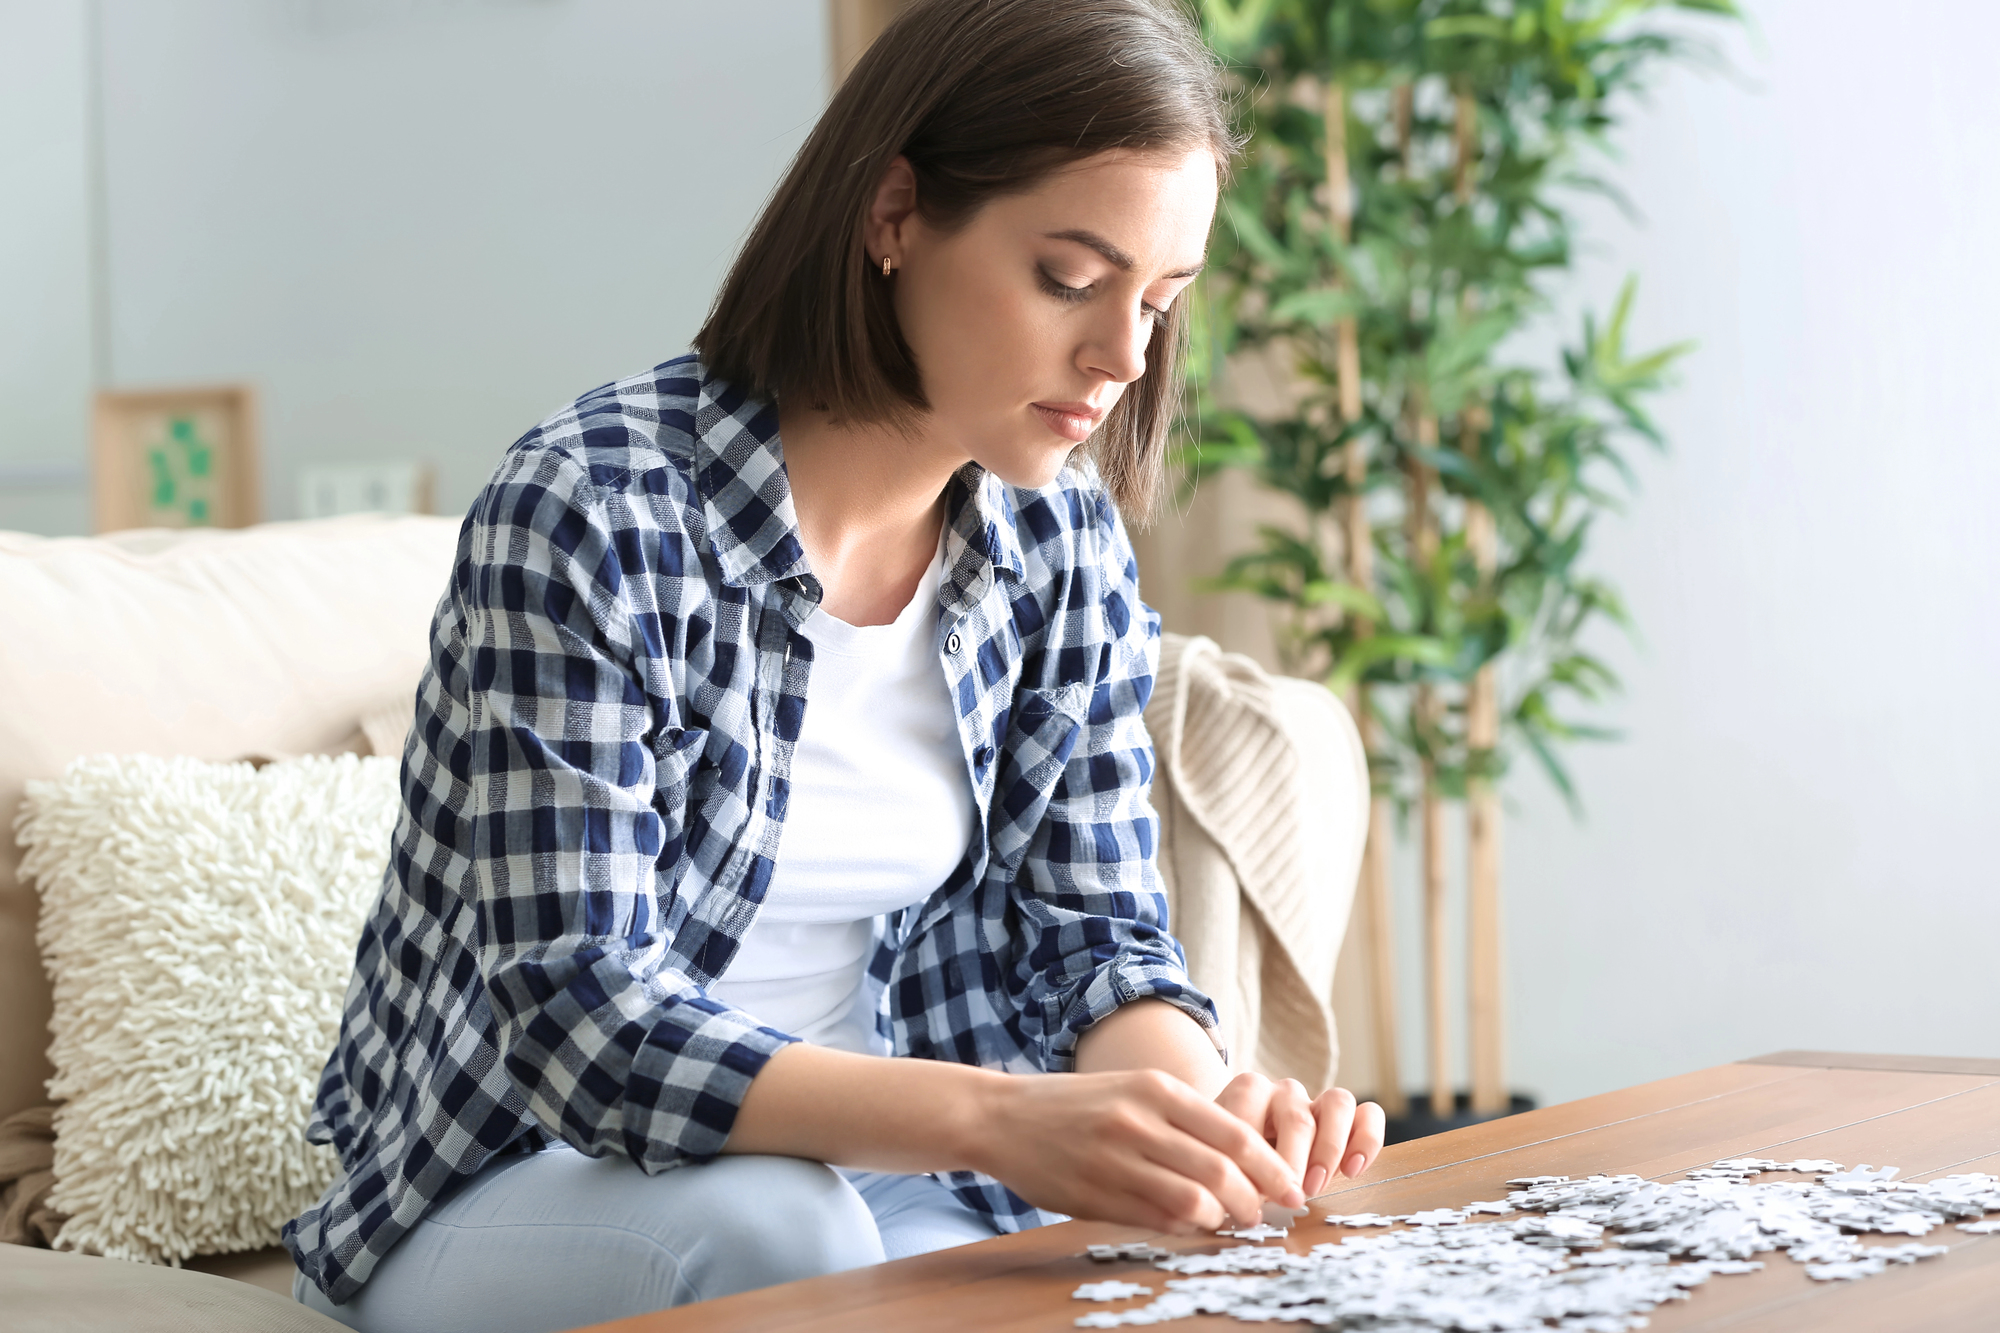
{"x":1927,"y":1116}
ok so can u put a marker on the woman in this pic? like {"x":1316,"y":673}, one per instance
{"x":783,"y":715}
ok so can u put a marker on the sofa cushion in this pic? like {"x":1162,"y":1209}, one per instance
{"x":46,"y":1291}
{"x":276,"y":639}
{"x":271,"y":1269}
{"x":199,"y":920}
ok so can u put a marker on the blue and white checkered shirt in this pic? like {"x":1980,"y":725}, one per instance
{"x":596,"y":781}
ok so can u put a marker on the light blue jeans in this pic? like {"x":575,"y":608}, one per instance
{"x":554,"y":1240}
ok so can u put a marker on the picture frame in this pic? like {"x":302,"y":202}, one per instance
{"x":330,"y":489}
{"x":175,"y":458}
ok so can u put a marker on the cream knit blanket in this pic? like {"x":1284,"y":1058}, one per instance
{"x":1262,"y":790}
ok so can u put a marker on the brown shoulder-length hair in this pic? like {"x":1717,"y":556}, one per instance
{"x":985,"y":98}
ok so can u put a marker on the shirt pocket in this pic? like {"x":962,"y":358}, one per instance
{"x":1043,"y":729}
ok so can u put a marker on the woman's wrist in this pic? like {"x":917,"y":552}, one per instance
{"x":991,"y":1118}
{"x":869,"y":1112}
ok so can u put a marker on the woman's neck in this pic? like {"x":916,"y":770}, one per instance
{"x":870,"y":501}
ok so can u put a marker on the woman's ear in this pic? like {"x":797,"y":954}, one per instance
{"x":890,"y":214}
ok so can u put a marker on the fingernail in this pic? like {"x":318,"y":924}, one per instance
{"x":1356,"y":1164}
{"x":1315,"y":1178}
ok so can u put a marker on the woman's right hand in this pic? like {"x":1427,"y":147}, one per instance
{"x":1137,"y":1147}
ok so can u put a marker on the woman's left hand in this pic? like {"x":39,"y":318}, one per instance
{"x":1319,"y":1137}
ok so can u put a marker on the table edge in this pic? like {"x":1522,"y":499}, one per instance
{"x":1900,"y":1064}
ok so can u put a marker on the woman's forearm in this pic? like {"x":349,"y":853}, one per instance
{"x":1152,"y":1034}
{"x":865,"y":1111}
{"x":928,"y":1115}
{"x":1139,"y":1146}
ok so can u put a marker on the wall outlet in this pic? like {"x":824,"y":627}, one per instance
{"x":328,"y":489}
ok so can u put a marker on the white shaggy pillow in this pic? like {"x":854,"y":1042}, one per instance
{"x":199,"y":922}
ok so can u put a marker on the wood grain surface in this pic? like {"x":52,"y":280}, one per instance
{"x":1848,"y":1108}
{"x":1915,"y":1064}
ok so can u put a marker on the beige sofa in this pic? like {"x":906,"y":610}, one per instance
{"x":220,"y":645}
{"x":283,"y":639}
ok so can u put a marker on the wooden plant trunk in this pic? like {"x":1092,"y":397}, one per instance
{"x":1421,"y":530}
{"x":1359,"y":548}
{"x":1423,"y":539}
{"x":1482,"y":735}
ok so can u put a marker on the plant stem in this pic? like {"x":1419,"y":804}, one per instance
{"x":1437,"y":956}
{"x":1359,"y":549}
{"x":1482,"y":729}
{"x":1421,"y":532}
{"x":1423,"y":537}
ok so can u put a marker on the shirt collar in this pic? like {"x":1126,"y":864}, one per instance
{"x":739,"y":471}
{"x":746,"y":499}
{"x":987,"y":524}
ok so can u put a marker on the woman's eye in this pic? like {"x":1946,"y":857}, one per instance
{"x":1069,"y":295}
{"x":1062,"y":291}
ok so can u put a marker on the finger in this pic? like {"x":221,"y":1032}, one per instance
{"x":1292,"y":1124}
{"x":1252,"y":1098}
{"x":1248,"y":1098}
{"x":1243,"y":1145}
{"x":1364,"y":1141}
{"x":1333,"y":1113}
{"x":1158,"y":1197}
{"x":1220,"y":1177}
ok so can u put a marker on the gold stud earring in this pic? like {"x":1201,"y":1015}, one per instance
{"x":885,"y":266}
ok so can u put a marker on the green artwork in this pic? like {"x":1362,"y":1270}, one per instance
{"x":181,"y":475}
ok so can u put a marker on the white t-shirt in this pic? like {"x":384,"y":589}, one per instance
{"x":879,"y":814}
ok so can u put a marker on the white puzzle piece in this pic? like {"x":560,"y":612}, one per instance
{"x":1589,"y":1255}
{"x":1261,"y":1231}
{"x":1277,"y":1215}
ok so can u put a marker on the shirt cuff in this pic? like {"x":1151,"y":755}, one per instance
{"x":687,"y":1082}
{"x":1128,"y":977}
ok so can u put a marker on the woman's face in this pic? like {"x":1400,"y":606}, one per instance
{"x":1028,"y":322}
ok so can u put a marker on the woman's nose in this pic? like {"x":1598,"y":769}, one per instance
{"x":1119,"y":353}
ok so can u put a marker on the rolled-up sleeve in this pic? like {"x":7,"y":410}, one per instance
{"x":613,"y":1050}
{"x":1088,"y":890}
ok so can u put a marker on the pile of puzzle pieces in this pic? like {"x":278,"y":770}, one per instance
{"x":1590,"y":1255}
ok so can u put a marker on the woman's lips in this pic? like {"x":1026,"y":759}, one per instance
{"x":1072,"y":421}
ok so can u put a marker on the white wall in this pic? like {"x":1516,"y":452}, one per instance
{"x":1796,"y":844}
{"x":417,"y":226}
{"x":45,"y":293}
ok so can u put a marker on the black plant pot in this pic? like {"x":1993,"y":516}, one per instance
{"x":1420,"y":1122}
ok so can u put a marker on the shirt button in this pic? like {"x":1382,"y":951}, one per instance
{"x":951,"y":642}
{"x":983,"y":756}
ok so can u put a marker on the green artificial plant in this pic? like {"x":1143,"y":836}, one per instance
{"x":1403,"y":207}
